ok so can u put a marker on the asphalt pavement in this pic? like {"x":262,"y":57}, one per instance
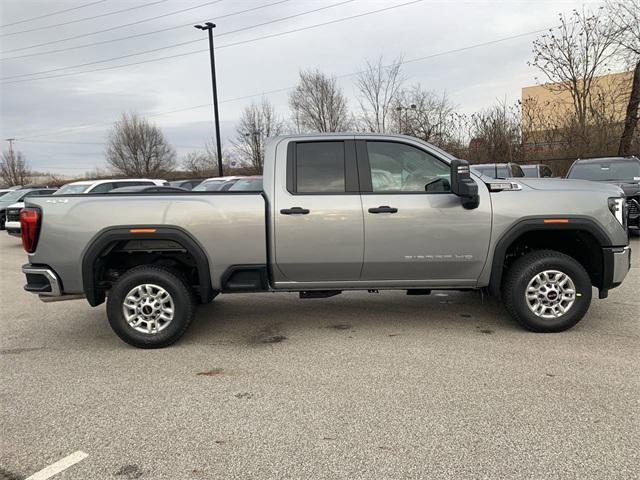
{"x":375,"y":386}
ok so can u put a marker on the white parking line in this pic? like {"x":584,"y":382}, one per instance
{"x":59,"y":466}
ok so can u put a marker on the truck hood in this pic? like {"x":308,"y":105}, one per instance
{"x":569,"y":185}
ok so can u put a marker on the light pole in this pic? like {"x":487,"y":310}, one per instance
{"x":209,"y":27}
{"x":400,"y":108}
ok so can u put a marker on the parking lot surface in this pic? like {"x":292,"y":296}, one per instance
{"x":377,"y":386}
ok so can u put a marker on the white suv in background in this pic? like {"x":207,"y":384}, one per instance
{"x":104,"y":186}
{"x":12,"y":223}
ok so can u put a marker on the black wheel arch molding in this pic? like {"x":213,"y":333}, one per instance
{"x":537,"y":223}
{"x":111,"y":235}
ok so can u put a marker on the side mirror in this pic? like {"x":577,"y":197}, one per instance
{"x":463,"y":185}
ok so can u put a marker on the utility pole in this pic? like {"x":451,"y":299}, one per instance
{"x":209,"y":27}
{"x":10,"y":140}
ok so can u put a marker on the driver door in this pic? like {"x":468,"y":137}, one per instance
{"x":415,"y":228}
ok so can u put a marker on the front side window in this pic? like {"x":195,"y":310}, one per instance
{"x":400,"y":168}
{"x":320,"y":167}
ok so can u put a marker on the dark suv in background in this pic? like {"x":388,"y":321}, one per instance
{"x":621,"y":171}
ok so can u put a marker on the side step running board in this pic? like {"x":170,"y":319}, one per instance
{"x":320,"y":293}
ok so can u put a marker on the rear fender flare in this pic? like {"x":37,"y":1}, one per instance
{"x":109,"y":236}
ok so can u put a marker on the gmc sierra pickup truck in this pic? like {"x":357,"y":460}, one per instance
{"x":337,"y":212}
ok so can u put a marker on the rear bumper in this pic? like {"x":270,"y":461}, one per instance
{"x":617,"y":262}
{"x":13,"y":228}
{"x":44,"y":282}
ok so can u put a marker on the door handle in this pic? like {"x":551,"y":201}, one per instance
{"x":294,"y":211}
{"x":383,"y":209}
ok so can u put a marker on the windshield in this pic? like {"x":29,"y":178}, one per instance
{"x":624,"y":170}
{"x":13,"y":197}
{"x":212,"y":186}
{"x":71,"y":189}
{"x":253,"y":184}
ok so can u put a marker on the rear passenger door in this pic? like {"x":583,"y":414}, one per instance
{"x":318,"y":225}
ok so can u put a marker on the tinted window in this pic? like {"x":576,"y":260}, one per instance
{"x":545,"y":171}
{"x":396,"y":167}
{"x":517,"y":171}
{"x":320,"y":167}
{"x":103,"y":188}
{"x":530,"y":171}
{"x":131,"y":184}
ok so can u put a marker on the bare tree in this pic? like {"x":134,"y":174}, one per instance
{"x":258,"y":122}
{"x":198,"y":164}
{"x":318,"y":105}
{"x":14,"y":169}
{"x":379,"y":86}
{"x":496,"y":135}
{"x":625,"y":17}
{"x":424,"y":114}
{"x":138,"y":148}
{"x":574,"y":53}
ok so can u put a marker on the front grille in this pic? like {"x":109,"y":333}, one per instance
{"x":633,"y":205}
{"x":13,"y":215}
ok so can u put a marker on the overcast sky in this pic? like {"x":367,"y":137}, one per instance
{"x":43,"y":114}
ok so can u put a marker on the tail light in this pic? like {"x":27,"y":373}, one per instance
{"x":29,"y":228}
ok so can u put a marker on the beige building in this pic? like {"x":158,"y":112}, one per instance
{"x":549,"y":120}
{"x":553,"y":102}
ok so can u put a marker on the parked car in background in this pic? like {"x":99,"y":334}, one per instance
{"x":188,"y":184}
{"x":621,"y":171}
{"x":247,"y":184}
{"x":537,"y":170}
{"x":149,"y":189}
{"x":498,"y":170}
{"x":104,"y":186}
{"x":216,"y":184}
{"x":12,"y":202}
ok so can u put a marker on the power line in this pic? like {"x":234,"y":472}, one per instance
{"x":117,"y":27}
{"x":284,"y":89}
{"x":177,"y":44}
{"x":217,"y":48}
{"x":137,"y":35}
{"x":52,"y":13}
{"x":46,"y":27}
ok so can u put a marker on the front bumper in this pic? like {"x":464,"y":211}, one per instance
{"x":617,"y":262}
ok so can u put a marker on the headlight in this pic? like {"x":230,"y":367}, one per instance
{"x":618,"y":208}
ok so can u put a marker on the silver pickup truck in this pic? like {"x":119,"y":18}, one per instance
{"x":338,"y":212}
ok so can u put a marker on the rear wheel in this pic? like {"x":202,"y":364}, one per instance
{"x":150,"y":307}
{"x":3,"y":219}
{"x":547,"y":291}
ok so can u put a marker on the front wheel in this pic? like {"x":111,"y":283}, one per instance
{"x":150,"y":307}
{"x":547,"y":291}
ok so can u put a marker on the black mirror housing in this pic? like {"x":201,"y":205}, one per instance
{"x":463,"y":185}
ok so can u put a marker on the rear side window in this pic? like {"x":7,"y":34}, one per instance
{"x":545,"y":171}
{"x":319,"y":167}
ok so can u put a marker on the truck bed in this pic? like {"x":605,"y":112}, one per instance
{"x":230,"y":227}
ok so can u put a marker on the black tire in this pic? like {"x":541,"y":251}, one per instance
{"x":524,"y":270}
{"x":635,"y":232}
{"x":2,"y":221}
{"x":173,"y":283}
